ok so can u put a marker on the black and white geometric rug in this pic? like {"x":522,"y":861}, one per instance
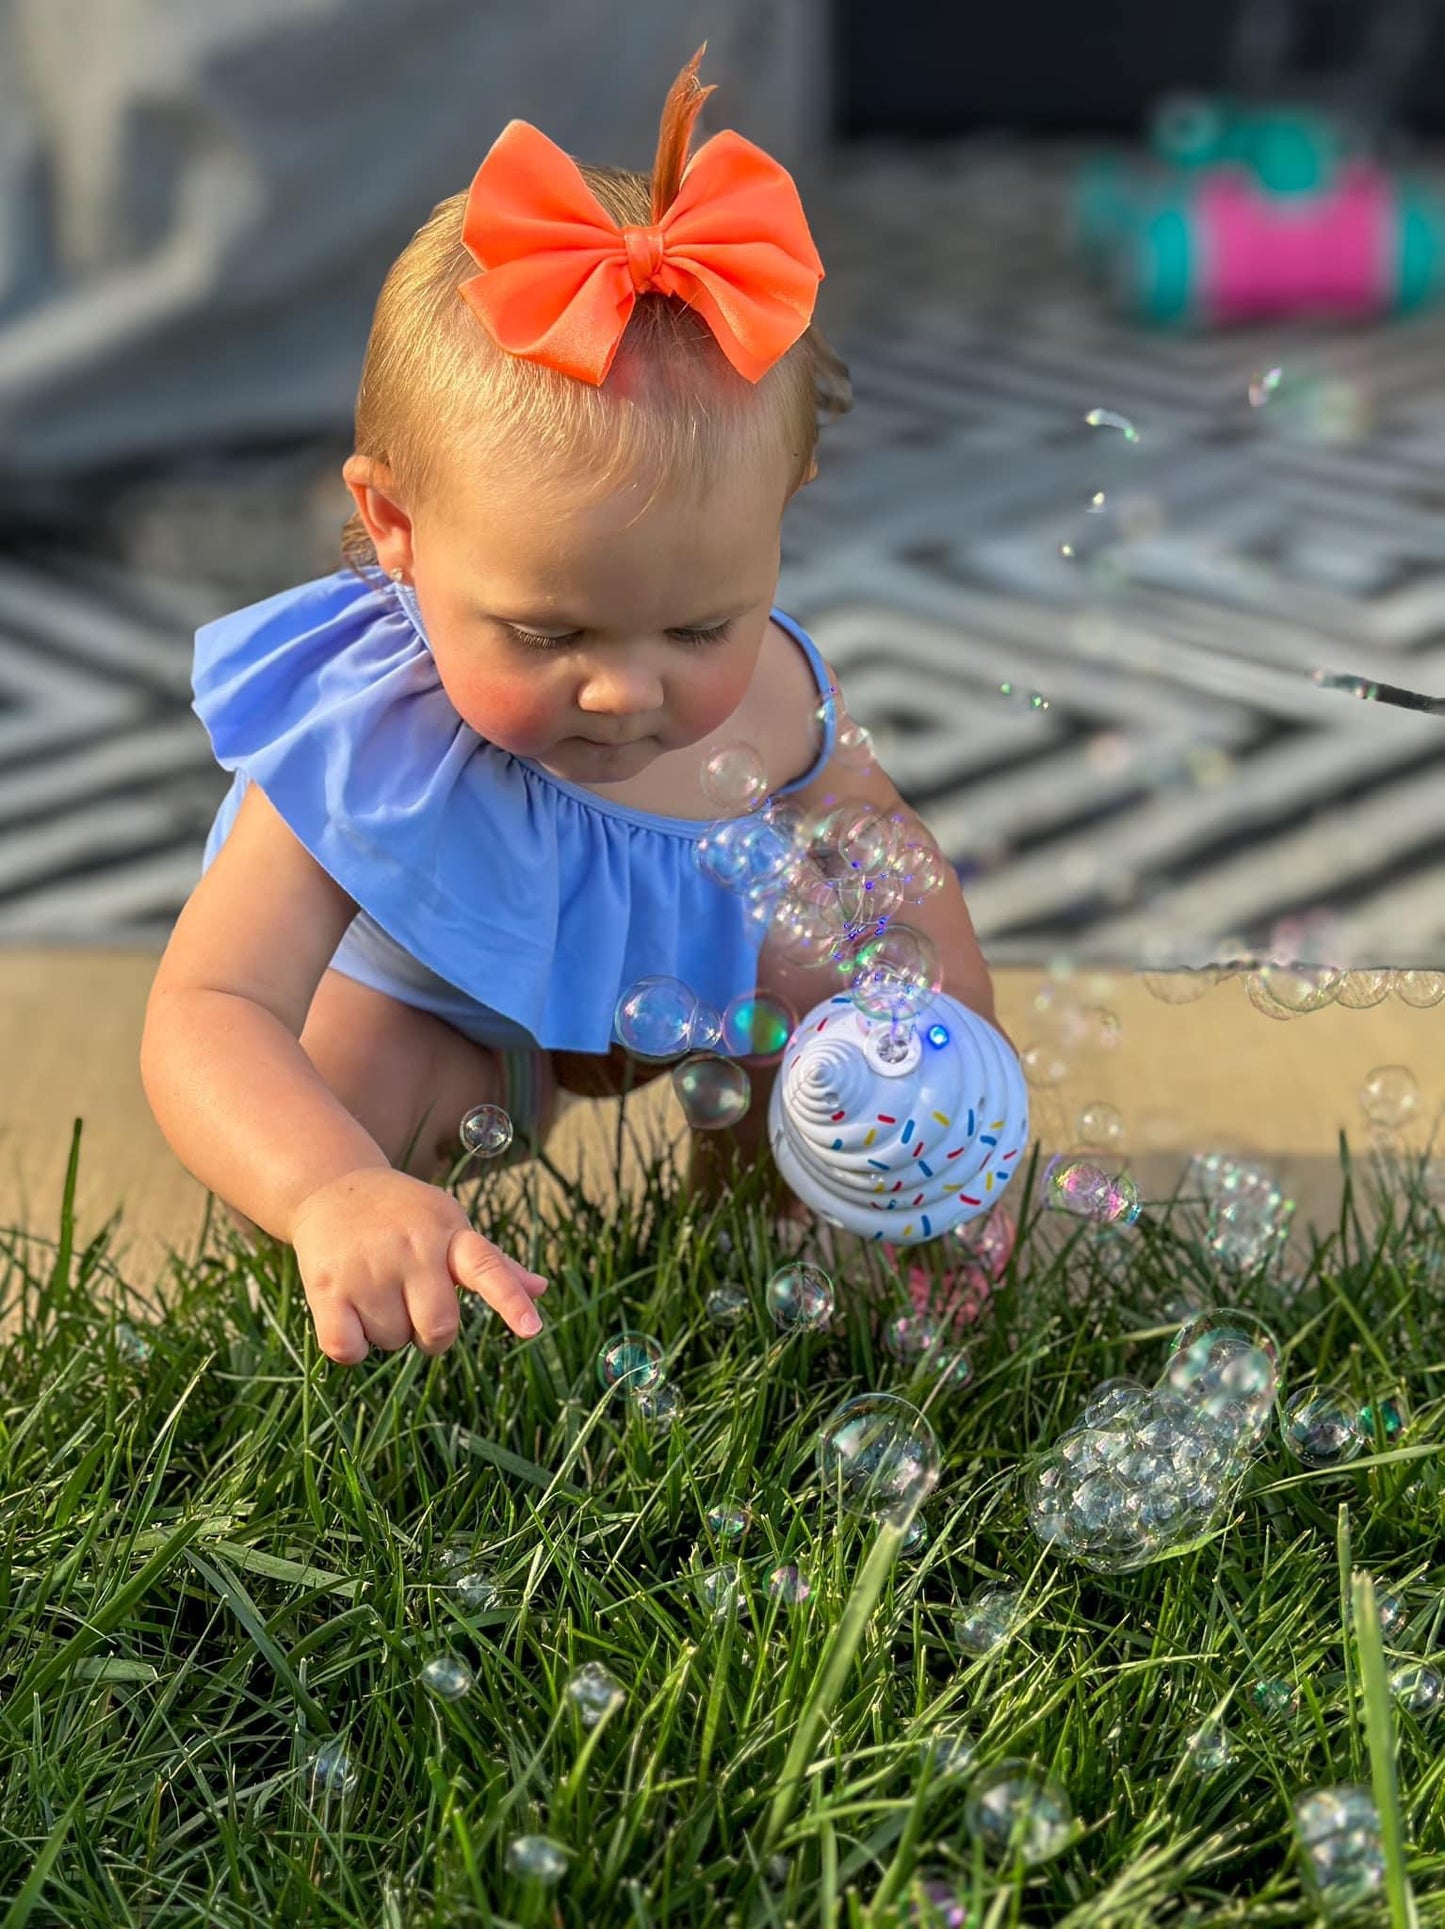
{"x":1163,"y":771}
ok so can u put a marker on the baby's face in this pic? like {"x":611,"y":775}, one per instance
{"x":567,"y":630}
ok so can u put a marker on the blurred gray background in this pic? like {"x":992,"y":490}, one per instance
{"x":199,"y":200}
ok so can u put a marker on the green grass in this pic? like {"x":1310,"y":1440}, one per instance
{"x":217,"y":1559}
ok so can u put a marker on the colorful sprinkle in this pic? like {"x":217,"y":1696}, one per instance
{"x":907,"y":1133}
{"x":942,"y":1120}
{"x":987,"y":1138}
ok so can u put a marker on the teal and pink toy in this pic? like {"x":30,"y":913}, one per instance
{"x":1247,"y":214}
{"x":898,"y":1133}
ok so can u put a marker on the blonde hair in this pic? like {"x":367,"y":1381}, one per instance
{"x":672,"y":407}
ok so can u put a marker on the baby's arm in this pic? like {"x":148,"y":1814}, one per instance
{"x":236,"y":1097}
{"x":242,"y":1106}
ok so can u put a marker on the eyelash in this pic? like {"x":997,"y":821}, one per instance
{"x":691,"y":639}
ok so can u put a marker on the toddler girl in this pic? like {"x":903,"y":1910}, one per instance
{"x":467,"y":795}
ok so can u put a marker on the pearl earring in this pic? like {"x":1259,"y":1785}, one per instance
{"x":398,"y":575}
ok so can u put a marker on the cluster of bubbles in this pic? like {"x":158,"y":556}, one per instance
{"x":1284,"y":988}
{"x":1087,"y":1191}
{"x":1247,"y":1214}
{"x":1145,"y":1469}
{"x":827,"y":888}
{"x":1337,"y":1831}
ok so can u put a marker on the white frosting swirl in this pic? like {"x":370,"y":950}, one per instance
{"x":901,"y":1151}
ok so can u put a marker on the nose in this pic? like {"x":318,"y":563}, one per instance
{"x":617,"y":691}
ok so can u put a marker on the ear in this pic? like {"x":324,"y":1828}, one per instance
{"x":387,"y":523}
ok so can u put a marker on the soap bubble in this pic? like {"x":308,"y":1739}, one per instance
{"x":1381,"y":1422}
{"x":722,"y":1587}
{"x":734,"y":777}
{"x":1043,"y":1064}
{"x":1017,"y":1812}
{"x":1292,"y":990}
{"x":729,"y":1520}
{"x":1263,"y":385}
{"x":1364,"y":989}
{"x":949,"y":1753}
{"x":1274,"y":1698}
{"x":594,"y":1692}
{"x":714,"y":1092}
{"x":486,"y":1130}
{"x":751,"y":856}
{"x":1418,"y":1688}
{"x":655,"y":1017}
{"x":1390,"y":1095}
{"x":1088,"y":1192}
{"x":1337,"y":1831}
{"x":923,"y":872}
{"x":630,"y":1362}
{"x":446,"y":1676}
{"x":908,"y":1336}
{"x":758,"y":1025}
{"x":789,"y":1584}
{"x":934,"y":1903}
{"x":1247,"y":1213}
{"x":987,"y":1620}
{"x":916,"y":1536}
{"x":1321,"y":1427}
{"x":1209,"y":1748}
{"x":876,"y":1451}
{"x":1392,"y":1610}
{"x":1100,"y":1127}
{"x":1035,"y":699}
{"x":727,"y":1305}
{"x":660,"y":1404}
{"x":478,"y":1588}
{"x":537,"y":1858}
{"x":989,"y":1240}
{"x":800,"y":1298}
{"x":1117,"y":1399}
{"x":1420,"y":989}
{"x":1226,"y":1366}
{"x":131,"y":1343}
{"x":896,"y":973}
{"x":332,"y":1771}
{"x":1110,"y":419}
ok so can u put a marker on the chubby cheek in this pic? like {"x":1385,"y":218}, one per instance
{"x":508,"y":708}
{"x":712,"y":689}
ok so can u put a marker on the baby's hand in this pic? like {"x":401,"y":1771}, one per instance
{"x":381,"y":1255}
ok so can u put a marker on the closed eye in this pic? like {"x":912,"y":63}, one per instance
{"x":691,"y":639}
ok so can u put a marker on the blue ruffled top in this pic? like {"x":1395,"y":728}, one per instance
{"x":534,"y":897}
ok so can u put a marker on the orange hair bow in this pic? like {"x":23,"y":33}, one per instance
{"x":561,"y":276}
